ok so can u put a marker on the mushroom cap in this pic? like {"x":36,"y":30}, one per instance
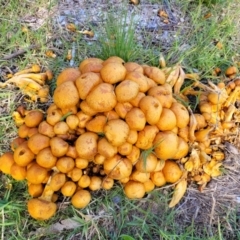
{"x":40,"y":209}
{"x":66,"y":95}
{"x":16,"y":142}
{"x":68,"y":74}
{"x":134,"y":189}
{"x":171,"y":171}
{"x":23,"y":155}
{"x":33,"y":118}
{"x":86,"y":145}
{"x":166,"y":143}
{"x":102,"y":98}
{"x":81,"y":199}
{"x":117,"y":167}
{"x":6,"y":162}
{"x":36,"y":174}
{"x":37,"y":142}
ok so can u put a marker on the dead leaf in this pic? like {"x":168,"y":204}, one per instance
{"x":71,"y":27}
{"x":208,"y":15}
{"x":134,"y":2}
{"x":66,"y":224}
{"x":179,"y":191}
{"x":162,"y":13}
{"x":219,"y":45}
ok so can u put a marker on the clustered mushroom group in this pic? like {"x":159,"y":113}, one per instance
{"x":32,"y":83}
{"x":119,"y":121}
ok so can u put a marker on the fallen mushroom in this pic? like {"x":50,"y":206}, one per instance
{"x":34,"y":69}
{"x":31,"y":82}
{"x":178,"y":193}
{"x":42,"y":208}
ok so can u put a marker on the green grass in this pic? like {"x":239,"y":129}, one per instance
{"x":118,"y":36}
{"x":200,"y":51}
{"x":110,"y":215}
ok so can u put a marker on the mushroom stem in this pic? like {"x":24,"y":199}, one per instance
{"x":232,"y":97}
{"x":192,"y":125}
{"x":229,"y":113}
{"x":162,"y":62}
{"x":34,"y":69}
{"x":47,"y":193}
{"x":191,"y":91}
{"x":179,"y":82}
{"x":22,"y":83}
{"x":192,"y":76}
{"x":37,"y":77}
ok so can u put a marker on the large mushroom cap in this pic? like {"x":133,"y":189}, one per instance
{"x":40,"y":209}
{"x":66,"y":95}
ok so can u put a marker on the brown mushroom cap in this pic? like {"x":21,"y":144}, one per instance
{"x":86,"y":82}
{"x":86,"y":145}
{"x":91,"y":65}
{"x":113,"y":72}
{"x":68,"y":74}
{"x":36,"y":174}
{"x":65,"y":164}
{"x":33,"y":118}
{"x":117,"y":167}
{"x":23,"y":131}
{"x":40,"y":209}
{"x":38,"y":142}
{"x":102,"y":98}
{"x":66,"y":95}
{"x":18,"y":172}
{"x":54,"y":116}
{"x":133,"y":189}
{"x":68,"y":189}
{"x":16,"y":142}
{"x":23,"y":155}
{"x":46,"y":129}
{"x":57,"y":181}
{"x":81,"y":199}
{"x":59,"y":147}
{"x":116,"y":131}
{"x":6,"y":162}
{"x":35,"y":190}
{"x":45,"y":158}
{"x":166,"y":144}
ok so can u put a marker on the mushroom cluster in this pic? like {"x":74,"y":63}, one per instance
{"x":115,"y":121}
{"x":31,"y":82}
{"x":216,"y":123}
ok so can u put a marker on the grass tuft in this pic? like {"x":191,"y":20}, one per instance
{"x":118,"y":36}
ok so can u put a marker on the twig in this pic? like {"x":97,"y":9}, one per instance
{"x":212,"y":210}
{"x":23,"y":51}
{"x":20,"y":52}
